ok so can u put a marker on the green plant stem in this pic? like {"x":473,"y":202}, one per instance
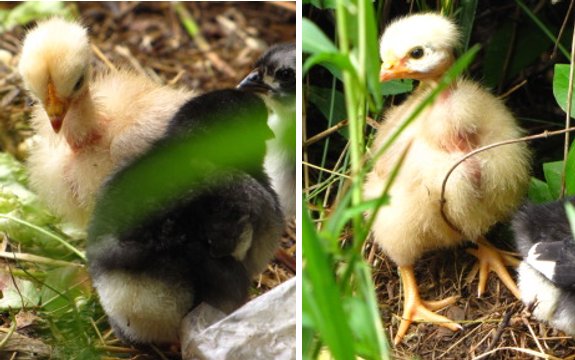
{"x":9,"y":334}
{"x":67,"y":245}
{"x":36,"y":259}
{"x":352,"y":105}
{"x":568,"y":116}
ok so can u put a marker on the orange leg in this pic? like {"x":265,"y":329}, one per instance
{"x":415,"y":309}
{"x":493,"y":259}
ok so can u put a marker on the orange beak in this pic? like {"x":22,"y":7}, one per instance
{"x":55,"y":107}
{"x":394,"y":68}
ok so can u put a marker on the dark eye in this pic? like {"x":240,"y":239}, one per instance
{"x":416,"y":52}
{"x":79,"y":83}
{"x":285,"y":75}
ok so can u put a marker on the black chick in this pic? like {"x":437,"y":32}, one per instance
{"x":154,"y":255}
{"x":274,"y":77}
{"x":547,"y":272}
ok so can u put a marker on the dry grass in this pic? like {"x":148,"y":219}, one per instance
{"x":495,"y":326}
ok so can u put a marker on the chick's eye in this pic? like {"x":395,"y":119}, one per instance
{"x":285,"y":75}
{"x":79,"y":83}
{"x":416,"y":52}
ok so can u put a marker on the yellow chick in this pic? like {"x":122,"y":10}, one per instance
{"x":484,"y":189}
{"x":85,"y":127}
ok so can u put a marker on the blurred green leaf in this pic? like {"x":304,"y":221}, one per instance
{"x":466,"y":20}
{"x":321,"y":4}
{"x":365,"y":206}
{"x":333,"y":69}
{"x":338,"y":219}
{"x":368,"y":34}
{"x":550,"y":189}
{"x":570,"y":212}
{"x":314,"y":40}
{"x":326,"y":310}
{"x":395,"y":87}
{"x":366,"y":322}
{"x":27,"y":221}
{"x":330,"y":102}
{"x":570,"y":172}
{"x":539,"y":191}
{"x":307,"y":333}
{"x":561,"y":87}
{"x":63,"y":287}
{"x":29,"y":11}
{"x":549,"y":33}
{"x":17,"y":293}
{"x":338,"y":60}
{"x":529,"y":44}
{"x":552,"y":171}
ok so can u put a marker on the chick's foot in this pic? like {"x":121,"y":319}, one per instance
{"x":493,"y":259}
{"x":415,"y":309}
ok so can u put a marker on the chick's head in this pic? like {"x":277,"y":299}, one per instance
{"x":418,"y":47}
{"x":274,"y":74}
{"x":55,"y":66}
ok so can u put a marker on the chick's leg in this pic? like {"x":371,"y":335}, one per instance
{"x":415,"y":309}
{"x":491,"y":258}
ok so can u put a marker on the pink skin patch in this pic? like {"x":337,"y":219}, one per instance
{"x":465,"y":142}
{"x":462,"y":142}
{"x":77,"y":145}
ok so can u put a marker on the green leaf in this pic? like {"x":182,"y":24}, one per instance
{"x":17,"y":293}
{"x":561,"y":87}
{"x":366,"y":320}
{"x":362,"y":208}
{"x":307,"y":333}
{"x":539,"y":191}
{"x":330,"y":102}
{"x":549,"y":33}
{"x":341,"y":62}
{"x":530,"y":43}
{"x":335,"y":223}
{"x":32,"y":10}
{"x":466,"y":20}
{"x":570,"y":212}
{"x":314,"y":40}
{"x":395,"y":87}
{"x":552,"y":171}
{"x":323,"y":300}
{"x":570,"y":172}
{"x":321,"y":4}
{"x":334,"y":70}
{"x":63,"y":287}
{"x":25,"y":219}
{"x":368,"y":33}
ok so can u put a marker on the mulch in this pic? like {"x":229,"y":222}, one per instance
{"x":495,"y":326}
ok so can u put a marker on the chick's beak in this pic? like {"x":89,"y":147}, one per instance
{"x":254,"y":82}
{"x":55,"y":107}
{"x":393,"y":68}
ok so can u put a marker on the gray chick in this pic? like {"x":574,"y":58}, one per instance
{"x":155,"y":255}
{"x":547,"y":272}
{"x":274,"y":77}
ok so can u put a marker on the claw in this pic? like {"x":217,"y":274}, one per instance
{"x":415,"y":309}
{"x":491,"y":259}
